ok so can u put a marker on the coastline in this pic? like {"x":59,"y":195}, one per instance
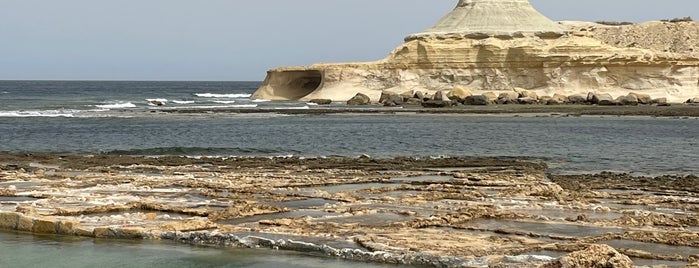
{"x":676,"y":110}
{"x":440,"y":212}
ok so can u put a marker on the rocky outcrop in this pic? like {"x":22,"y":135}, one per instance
{"x":680,"y":37}
{"x":513,"y":47}
{"x":359,"y":99}
{"x":595,"y":256}
{"x":321,"y":101}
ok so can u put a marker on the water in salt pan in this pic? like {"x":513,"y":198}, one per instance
{"x":284,"y":215}
{"x":660,"y":249}
{"x":334,"y":189}
{"x":556,"y":229}
{"x":305,"y":203}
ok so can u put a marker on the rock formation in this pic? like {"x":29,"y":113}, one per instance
{"x":595,"y":256}
{"x":499,"y":46}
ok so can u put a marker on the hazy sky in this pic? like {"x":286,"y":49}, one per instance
{"x":237,"y":39}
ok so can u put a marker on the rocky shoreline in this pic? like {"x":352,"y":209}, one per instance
{"x":438,"y":212}
{"x":676,"y":110}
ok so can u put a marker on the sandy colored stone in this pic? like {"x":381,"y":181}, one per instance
{"x":599,"y":256}
{"x":129,"y":233}
{"x":431,"y":211}
{"x":460,"y":93}
{"x":492,"y":17}
{"x":489,"y":45}
{"x":188,"y":225}
{"x":26,"y":224}
{"x":67,"y":227}
{"x":674,"y":37}
{"x":8,"y":220}
{"x":80,"y":231}
{"x":104,"y":232}
{"x":151,"y":216}
{"x":44,"y":226}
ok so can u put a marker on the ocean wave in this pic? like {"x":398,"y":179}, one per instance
{"x":157,"y":102}
{"x":212,"y":95}
{"x":48,"y":113}
{"x":116,"y":105}
{"x":195,"y":151}
{"x":261,"y":100}
{"x":224,"y":106}
{"x":225,"y":102}
{"x":182,"y":102}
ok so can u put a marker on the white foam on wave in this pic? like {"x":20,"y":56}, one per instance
{"x":225,"y":106}
{"x":261,"y":100}
{"x":47,"y":113}
{"x":117,"y":105}
{"x":224,"y":102}
{"x":183,"y":102}
{"x":212,"y":95}
{"x":157,"y":102}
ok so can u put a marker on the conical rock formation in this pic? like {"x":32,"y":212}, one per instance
{"x":492,"y":18}
{"x":496,"y":45}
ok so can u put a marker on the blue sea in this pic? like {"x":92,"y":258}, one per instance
{"x":136,"y":118}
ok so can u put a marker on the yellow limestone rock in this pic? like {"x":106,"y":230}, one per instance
{"x":25,"y":224}
{"x":497,"y":45}
{"x":8,"y":220}
{"x":596,"y":256}
{"x":44,"y":226}
{"x":67,"y":227}
{"x":460,"y":92}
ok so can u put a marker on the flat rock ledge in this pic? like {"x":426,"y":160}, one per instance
{"x":437,"y":212}
{"x":19,"y":222}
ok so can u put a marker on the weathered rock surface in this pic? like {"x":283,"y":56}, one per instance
{"x":436,"y":104}
{"x":603,"y":99}
{"x":359,"y":99}
{"x":599,"y":256}
{"x":508,"y":97}
{"x":673,"y":37}
{"x":460,"y":93}
{"x":390,"y":99}
{"x":630,"y":99}
{"x":498,"y":46}
{"x":441,"y":96}
{"x":439,"y":212}
{"x":477,"y":100}
{"x":321,"y":101}
{"x":577,"y":99}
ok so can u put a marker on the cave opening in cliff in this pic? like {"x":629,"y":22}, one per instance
{"x":294,"y":85}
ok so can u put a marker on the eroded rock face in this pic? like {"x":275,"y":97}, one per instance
{"x":488,"y":54}
{"x":596,"y":256}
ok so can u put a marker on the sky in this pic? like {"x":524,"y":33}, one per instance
{"x":237,"y":40}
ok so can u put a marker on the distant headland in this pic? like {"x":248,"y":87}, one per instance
{"x":498,"y":48}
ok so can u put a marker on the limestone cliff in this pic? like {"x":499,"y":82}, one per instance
{"x":500,"y":45}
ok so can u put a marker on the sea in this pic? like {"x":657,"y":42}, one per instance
{"x":142,"y":118}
